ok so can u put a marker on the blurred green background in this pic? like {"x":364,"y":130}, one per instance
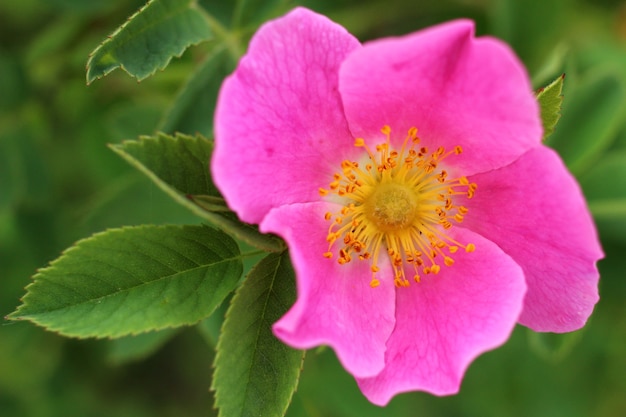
{"x":59,"y":182}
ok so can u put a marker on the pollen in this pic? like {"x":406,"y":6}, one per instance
{"x":398,"y":204}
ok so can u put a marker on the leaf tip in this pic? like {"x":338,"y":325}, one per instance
{"x":550,"y":100}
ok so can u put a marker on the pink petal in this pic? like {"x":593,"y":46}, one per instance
{"x":335,"y":305}
{"x":534,"y":210}
{"x":457,"y":90}
{"x":279,"y":124}
{"x":447,"y":320}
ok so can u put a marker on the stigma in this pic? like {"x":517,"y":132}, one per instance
{"x":399,"y":204}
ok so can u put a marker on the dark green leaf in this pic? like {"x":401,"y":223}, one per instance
{"x":255,"y":374}
{"x":192,"y":111}
{"x":132,"y":280}
{"x":550,"y":100}
{"x":210,"y":327}
{"x":179,"y":165}
{"x":149,"y":39}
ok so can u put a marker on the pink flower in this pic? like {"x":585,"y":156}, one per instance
{"x":423,"y":215}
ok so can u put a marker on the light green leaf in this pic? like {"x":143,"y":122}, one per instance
{"x":179,"y":165}
{"x":149,"y":39}
{"x":192,"y":111}
{"x":550,"y":99}
{"x":255,"y":374}
{"x":132,"y":280}
{"x":593,"y":113}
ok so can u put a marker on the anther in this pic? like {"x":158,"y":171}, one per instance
{"x":371,"y":227}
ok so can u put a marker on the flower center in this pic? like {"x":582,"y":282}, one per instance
{"x":391,"y":206}
{"x":400,"y":203}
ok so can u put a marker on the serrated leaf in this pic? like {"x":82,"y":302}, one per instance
{"x":593,"y":113}
{"x":210,"y":327}
{"x":132,"y":280}
{"x":180,"y":161}
{"x":179,"y":165}
{"x":160,"y":30}
{"x":255,"y":374}
{"x":192,"y":111}
{"x":550,"y":100}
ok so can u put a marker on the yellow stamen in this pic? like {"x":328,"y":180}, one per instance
{"x":403,"y":201}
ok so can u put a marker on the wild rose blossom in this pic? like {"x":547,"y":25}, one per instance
{"x":423,"y":215}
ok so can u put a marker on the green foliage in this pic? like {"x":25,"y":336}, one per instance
{"x":134,"y":348}
{"x":550,"y":100}
{"x":179,"y":166}
{"x":149,"y":39}
{"x":255,"y":12}
{"x":58,"y":183}
{"x":593,"y":113}
{"x":192,"y":110}
{"x":605,"y":187}
{"x":553,"y":347}
{"x":133,"y":280}
{"x":255,"y":374}
{"x":178,"y":163}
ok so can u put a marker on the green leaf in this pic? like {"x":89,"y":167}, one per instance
{"x":192,"y":111}
{"x":149,"y":39}
{"x":210,"y":327}
{"x":179,"y":165}
{"x":132,"y":280}
{"x":181,"y":162}
{"x":255,"y":374}
{"x":593,"y":113}
{"x":550,"y":99}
